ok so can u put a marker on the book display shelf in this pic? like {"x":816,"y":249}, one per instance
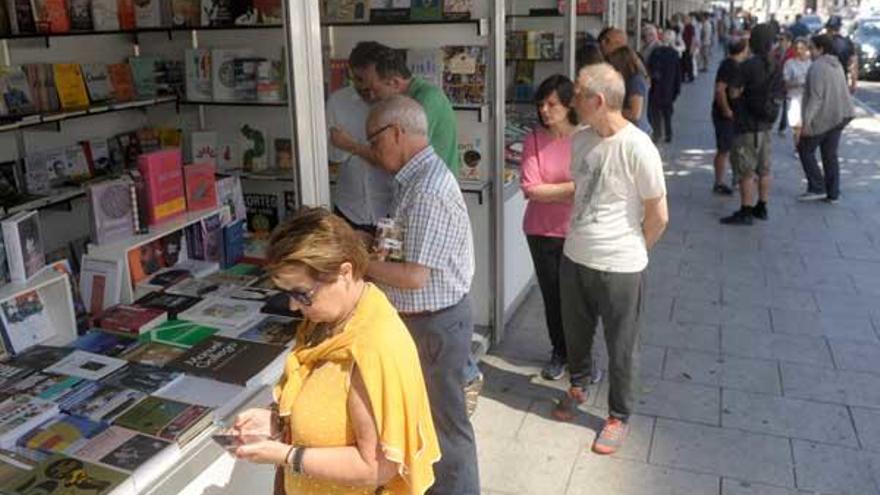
{"x":53,"y":288}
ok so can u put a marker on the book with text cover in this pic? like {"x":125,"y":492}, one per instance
{"x":223,"y":398}
{"x":104,"y":343}
{"x":223,"y":63}
{"x":263,"y":213}
{"x":21,"y":413}
{"x":111,"y":211}
{"x":71,"y":88}
{"x":203,"y":147}
{"x":97,"y":154}
{"x":62,"y":434}
{"x":130,"y":319}
{"x":105,"y":15}
{"x":198,"y":74}
{"x":153,"y":353}
{"x":16,"y":91}
{"x":41,"y":78}
{"x":100,"y":282}
{"x":179,"y":333}
{"x":25,"y":322}
{"x":163,"y":178}
{"x":144,"y":73}
{"x":171,"y":420}
{"x":390,"y":10}
{"x":426,"y":63}
{"x":128,"y":451}
{"x":275,"y":330}
{"x":148,"y":13}
{"x":122,"y":82}
{"x":86,"y":365}
{"x":24,"y":245}
{"x":201,"y":186}
{"x":464,"y":74}
{"x":470,"y":156}
{"x":224,"y":312}
{"x":229,"y":194}
{"x":173,"y":304}
{"x":219,"y":12}
{"x":51,"y":16}
{"x":239,"y":362}
{"x":143,"y":377}
{"x":345,"y":11}
{"x":63,"y":475}
{"x":97,"y":82}
{"x":102,"y":402}
{"x":80,"y":15}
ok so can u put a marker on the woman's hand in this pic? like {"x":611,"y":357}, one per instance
{"x":255,"y":422}
{"x":263,"y":452}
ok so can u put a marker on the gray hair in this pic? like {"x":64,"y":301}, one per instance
{"x":602,"y":79}
{"x":403,"y":111}
{"x":669,"y":37}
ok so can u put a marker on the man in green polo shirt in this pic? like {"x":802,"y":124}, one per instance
{"x":382,"y":71}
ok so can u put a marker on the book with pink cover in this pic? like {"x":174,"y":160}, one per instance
{"x":201,"y":186}
{"x":163,"y":179}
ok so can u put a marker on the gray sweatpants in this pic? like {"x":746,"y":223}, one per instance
{"x":616,"y":298}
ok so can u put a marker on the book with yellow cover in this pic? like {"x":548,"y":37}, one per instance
{"x":71,"y":88}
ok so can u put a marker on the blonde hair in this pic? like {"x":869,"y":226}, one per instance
{"x":320,"y":242}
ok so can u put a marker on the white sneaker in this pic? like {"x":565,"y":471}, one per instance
{"x":811,"y":196}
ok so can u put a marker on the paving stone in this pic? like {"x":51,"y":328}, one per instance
{"x":513,"y":466}
{"x":651,"y":361}
{"x":774,"y":297}
{"x":682,"y":335}
{"x":500,"y":414}
{"x":658,"y":308}
{"x":689,"y":311}
{"x":856,"y":356}
{"x":725,"y":452}
{"x":848,"y":304}
{"x":823,"y":325}
{"x":784,"y":347}
{"x":868,"y":427}
{"x":827,"y":385}
{"x":832,"y":469}
{"x":595,"y":474}
{"x":828,"y":423}
{"x":703,"y":290}
{"x":708,"y":368}
{"x":731,"y":486}
{"x":686,"y":401}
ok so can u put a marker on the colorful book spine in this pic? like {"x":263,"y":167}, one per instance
{"x":163,"y":179}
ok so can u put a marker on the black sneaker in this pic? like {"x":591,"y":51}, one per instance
{"x":722,"y":189}
{"x":555,"y":369}
{"x":739,"y":217}
{"x":760,"y":211}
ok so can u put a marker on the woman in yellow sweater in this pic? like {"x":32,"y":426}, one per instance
{"x":351,"y":414}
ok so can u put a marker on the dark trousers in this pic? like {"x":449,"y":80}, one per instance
{"x":829,"y":183}
{"x":589,"y":295}
{"x":783,"y":117}
{"x":546,"y":255}
{"x":660,"y":117}
{"x":687,"y":66}
{"x":443,"y":340}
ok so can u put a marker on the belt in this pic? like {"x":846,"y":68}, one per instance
{"x":419,"y":314}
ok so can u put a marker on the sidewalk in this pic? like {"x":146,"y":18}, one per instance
{"x":760,"y":362}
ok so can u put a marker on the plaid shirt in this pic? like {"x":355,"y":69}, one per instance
{"x":428,"y":204}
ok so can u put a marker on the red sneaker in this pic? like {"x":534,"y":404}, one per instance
{"x":611,"y":437}
{"x":565,"y":408}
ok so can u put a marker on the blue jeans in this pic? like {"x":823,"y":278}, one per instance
{"x":443,"y":340}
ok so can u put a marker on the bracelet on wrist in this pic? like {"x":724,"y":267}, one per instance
{"x":296,"y":465}
{"x":288,"y":459}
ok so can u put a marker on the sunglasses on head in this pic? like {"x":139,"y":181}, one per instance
{"x":303,"y":297}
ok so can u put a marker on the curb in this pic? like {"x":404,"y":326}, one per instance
{"x":867,"y":108}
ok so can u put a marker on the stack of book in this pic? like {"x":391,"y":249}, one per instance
{"x":378,"y":11}
{"x":534,"y":45}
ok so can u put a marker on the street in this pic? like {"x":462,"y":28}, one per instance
{"x":869,"y":94}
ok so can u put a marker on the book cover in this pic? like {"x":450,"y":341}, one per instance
{"x":201,"y":186}
{"x":51,"y":16}
{"x":130,"y":319}
{"x":86,"y":365}
{"x":198,"y":75}
{"x":223,"y":71}
{"x":11,"y":374}
{"x":269,"y":11}
{"x":233,"y":243}
{"x":62,"y":475}
{"x":345,"y":11}
{"x":426,"y":63}
{"x":126,"y":14}
{"x":180,"y":333}
{"x":111,"y":211}
{"x":245,"y":75}
{"x":164,"y":418}
{"x":80,"y":15}
{"x":13,"y":465}
{"x":223,"y":398}
{"x":76,"y":166}
{"x":97,"y":82}
{"x":144,"y":73}
{"x":41,"y":78}
{"x":102,"y":402}
{"x":270,"y":80}
{"x":143,"y":377}
{"x":147,"y":13}
{"x":186,"y":13}
{"x":390,"y":10}
{"x":262,"y":213}
{"x":23,"y":14}
{"x":20,"y":413}
{"x":457,"y":9}
{"x":105,"y":15}
{"x":122,"y":448}
{"x":163,"y":177}
{"x":98,"y":155}
{"x":198,"y":288}
{"x":24,"y":245}
{"x":283,"y":154}
{"x":228,"y":360}
{"x":470,"y":156}
{"x":46,"y":386}
{"x":426,"y":10}
{"x":464,"y":74}
{"x":218,"y":12}
{"x":16,"y":91}
{"x":100,"y":283}
{"x":275,"y":330}
{"x":229,"y":194}
{"x":154,"y":353}
{"x":122,"y":82}
{"x":70,"y":85}
{"x":103,"y":343}
{"x":63,"y":434}
{"x":224,"y":312}
{"x":25,"y":321}
{"x":170,"y":303}
{"x":39,"y":357}
{"x":37,"y":177}
{"x":203,"y":147}
{"x":170,"y":137}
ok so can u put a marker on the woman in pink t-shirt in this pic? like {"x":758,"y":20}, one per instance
{"x":546,"y":183}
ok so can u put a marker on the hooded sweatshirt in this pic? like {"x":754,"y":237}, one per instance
{"x":827,"y":103}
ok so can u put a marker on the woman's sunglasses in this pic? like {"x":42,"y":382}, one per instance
{"x":303,"y":297}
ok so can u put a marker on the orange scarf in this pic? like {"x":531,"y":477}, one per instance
{"x":386,"y":357}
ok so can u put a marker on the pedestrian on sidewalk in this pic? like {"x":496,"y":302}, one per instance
{"x":620,"y":212}
{"x":546,"y":183}
{"x":665,"y":86}
{"x":430,"y":288}
{"x":757,"y":93}
{"x":635,"y":104}
{"x":827,"y":109}
{"x":707,"y":35}
{"x":783,"y":52}
{"x":722,"y":111}
{"x":688,"y":35}
{"x":795,"y":74}
{"x":611,"y":39}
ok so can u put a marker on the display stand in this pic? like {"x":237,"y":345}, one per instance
{"x":54,"y":289}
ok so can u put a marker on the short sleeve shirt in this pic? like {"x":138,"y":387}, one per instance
{"x":751,"y":74}
{"x":726,"y":74}
{"x":442,"y":124}
{"x":637,"y":85}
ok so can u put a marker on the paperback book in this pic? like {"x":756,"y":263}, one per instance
{"x":100,"y":282}
{"x":80,"y":15}
{"x":464,"y":74}
{"x":72,"y":92}
{"x":103,"y":343}
{"x":179,"y":333}
{"x":11,"y":374}
{"x":198,"y":75}
{"x":148,"y":13}
{"x":63,"y":434}
{"x":275,"y":330}
{"x":167,"y":419}
{"x":223,"y":71}
{"x":24,"y":245}
{"x":198,"y":288}
{"x":46,"y":386}
{"x":129,"y":319}
{"x":390,"y":10}
{"x":16,"y":91}
{"x":39,"y":357}
{"x":125,"y":449}
{"x":201,"y":186}
{"x":173,"y":304}
{"x":62,"y":475}
{"x":239,"y":362}
{"x":86,"y":365}
{"x":262,"y":213}
{"x":146,"y":378}
{"x":97,"y":82}
{"x":25,"y":322}
{"x":229,"y":194}
{"x":185,"y":13}
{"x":153,"y":353}
{"x":122,"y":82}
{"x":51,"y":16}
{"x":345,"y":11}
{"x":254,"y":145}
{"x":144,"y":72}
{"x":102,"y":402}
{"x":203,"y":147}
{"x":105,"y":15}
{"x":41,"y":78}
{"x":223,"y":398}
{"x":111,"y":211}
{"x":19,"y":414}
{"x":163,"y":180}
{"x":224,"y":312}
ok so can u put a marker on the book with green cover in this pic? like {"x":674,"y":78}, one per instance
{"x":164,"y":418}
{"x":179,"y":333}
{"x":426,"y":10}
{"x":62,"y":475}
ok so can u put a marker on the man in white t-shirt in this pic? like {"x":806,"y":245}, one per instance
{"x":363,"y":193}
{"x":620,"y":212}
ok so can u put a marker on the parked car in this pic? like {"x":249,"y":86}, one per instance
{"x":867,"y":39}
{"x":813,"y":22}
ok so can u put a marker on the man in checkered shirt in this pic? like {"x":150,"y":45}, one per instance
{"x":430,"y":287}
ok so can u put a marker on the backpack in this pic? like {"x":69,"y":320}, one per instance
{"x":843,"y":50}
{"x":764,"y":100}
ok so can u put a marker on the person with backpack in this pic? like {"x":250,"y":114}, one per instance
{"x":844,"y":50}
{"x":827,"y":109}
{"x":756,"y":92}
